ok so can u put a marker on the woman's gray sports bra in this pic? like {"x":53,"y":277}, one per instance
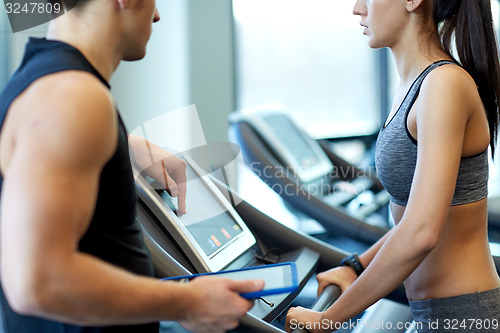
{"x":396,"y":156}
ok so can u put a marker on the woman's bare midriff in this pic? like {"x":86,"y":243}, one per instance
{"x":461,"y":262}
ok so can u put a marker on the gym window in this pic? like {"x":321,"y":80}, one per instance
{"x":312,"y":57}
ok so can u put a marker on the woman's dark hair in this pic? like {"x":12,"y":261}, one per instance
{"x":470,"y":22}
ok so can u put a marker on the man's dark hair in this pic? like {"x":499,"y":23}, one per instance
{"x":69,"y":4}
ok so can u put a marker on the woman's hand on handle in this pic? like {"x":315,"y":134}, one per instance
{"x":300,"y":317}
{"x":342,"y":276}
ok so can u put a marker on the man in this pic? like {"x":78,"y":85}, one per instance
{"x":72,"y":255}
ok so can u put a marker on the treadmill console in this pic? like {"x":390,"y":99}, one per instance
{"x":211,"y":233}
{"x":293,"y":147}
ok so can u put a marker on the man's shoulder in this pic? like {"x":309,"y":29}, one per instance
{"x":71,"y":112}
{"x":66,"y":95}
{"x":73,"y":84}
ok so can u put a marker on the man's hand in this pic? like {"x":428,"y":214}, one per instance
{"x":215,"y":304}
{"x":162,"y":166}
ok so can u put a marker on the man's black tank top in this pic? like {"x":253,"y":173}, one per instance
{"x":113,"y":235}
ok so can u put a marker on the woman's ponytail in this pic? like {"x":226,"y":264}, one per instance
{"x":470,"y":23}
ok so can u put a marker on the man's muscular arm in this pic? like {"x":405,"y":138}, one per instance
{"x":50,"y":186}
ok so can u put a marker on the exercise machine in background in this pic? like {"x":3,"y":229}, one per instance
{"x":344,"y":199}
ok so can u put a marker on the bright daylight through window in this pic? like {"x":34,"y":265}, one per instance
{"x":311,"y":56}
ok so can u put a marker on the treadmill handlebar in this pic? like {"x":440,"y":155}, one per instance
{"x":323,"y":302}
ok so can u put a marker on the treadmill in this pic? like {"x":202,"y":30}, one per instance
{"x":344,"y":199}
{"x":195,"y":243}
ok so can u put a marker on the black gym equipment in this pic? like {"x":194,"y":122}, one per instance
{"x":309,"y":176}
{"x":170,"y":241}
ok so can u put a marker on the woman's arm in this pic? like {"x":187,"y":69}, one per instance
{"x":344,"y":276}
{"x":442,"y":112}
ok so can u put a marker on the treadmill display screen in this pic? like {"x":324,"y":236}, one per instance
{"x":206,"y":218}
{"x":287,"y":132}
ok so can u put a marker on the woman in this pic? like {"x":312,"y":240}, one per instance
{"x":432,"y":157}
